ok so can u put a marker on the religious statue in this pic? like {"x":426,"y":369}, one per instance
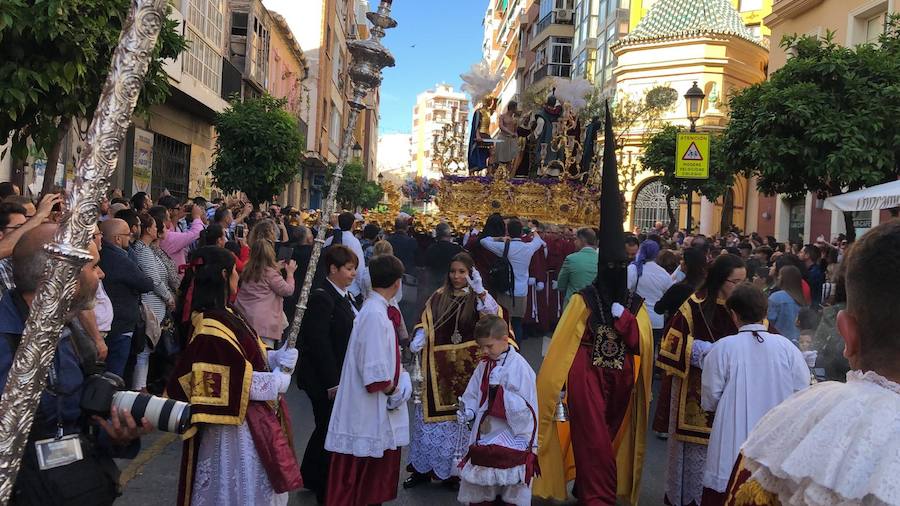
{"x":543,"y":134}
{"x":480,"y":137}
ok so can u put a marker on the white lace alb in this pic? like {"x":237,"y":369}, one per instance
{"x":832,"y":444}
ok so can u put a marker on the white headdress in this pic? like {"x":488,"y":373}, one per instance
{"x":479,"y":81}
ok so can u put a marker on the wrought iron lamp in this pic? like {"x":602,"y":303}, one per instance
{"x":694,"y":101}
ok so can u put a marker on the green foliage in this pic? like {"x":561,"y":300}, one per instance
{"x":659,"y":158}
{"x":258,"y":149}
{"x":371,"y":195}
{"x":826,"y":122}
{"x":54,"y":59}
{"x":355,"y":191}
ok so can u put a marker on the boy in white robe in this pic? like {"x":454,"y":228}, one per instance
{"x":744,"y":376}
{"x":370,"y":422}
{"x":500,"y":399}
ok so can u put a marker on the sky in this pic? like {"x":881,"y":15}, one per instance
{"x":435,"y":41}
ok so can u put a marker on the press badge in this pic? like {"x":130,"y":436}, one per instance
{"x":53,"y":453}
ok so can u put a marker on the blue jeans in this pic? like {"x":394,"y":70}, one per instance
{"x":516,"y":324}
{"x":119,"y":346}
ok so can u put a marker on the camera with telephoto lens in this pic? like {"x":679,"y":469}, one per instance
{"x":101,"y":392}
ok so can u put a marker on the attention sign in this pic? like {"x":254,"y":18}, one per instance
{"x":692,"y":156}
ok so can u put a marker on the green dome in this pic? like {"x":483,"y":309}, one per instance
{"x":684,"y":19}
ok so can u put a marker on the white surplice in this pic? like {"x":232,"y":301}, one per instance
{"x":361,"y":424}
{"x":483,"y":484}
{"x":229,"y":471}
{"x":743,"y":379}
{"x":831,"y":444}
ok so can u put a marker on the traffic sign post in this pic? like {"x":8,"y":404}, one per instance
{"x":692,"y":156}
{"x":691,"y":162}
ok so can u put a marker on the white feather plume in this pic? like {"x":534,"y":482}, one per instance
{"x":479,"y":81}
{"x":573,"y":91}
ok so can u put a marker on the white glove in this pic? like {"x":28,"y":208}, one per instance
{"x":284,"y":358}
{"x":283,"y":380}
{"x":402,"y":392}
{"x":418,"y":341}
{"x":617,"y":310}
{"x":555,"y":284}
{"x":496,"y":375}
{"x":531,"y":281}
{"x":540,"y":286}
{"x":465,"y":416}
{"x":475,"y":282}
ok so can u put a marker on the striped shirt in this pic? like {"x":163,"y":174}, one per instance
{"x":154,"y":268}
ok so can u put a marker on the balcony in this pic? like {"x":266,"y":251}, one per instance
{"x":559,"y":23}
{"x":553,"y":70}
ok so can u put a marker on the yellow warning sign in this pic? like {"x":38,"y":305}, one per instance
{"x":692,"y":156}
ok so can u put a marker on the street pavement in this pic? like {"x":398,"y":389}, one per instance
{"x":152,"y":478}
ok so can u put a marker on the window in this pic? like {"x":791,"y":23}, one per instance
{"x":751,"y":5}
{"x":334,"y":129}
{"x":756,"y":30}
{"x":202,"y":61}
{"x":650,"y":205}
{"x":207,"y":18}
{"x":875,"y":27}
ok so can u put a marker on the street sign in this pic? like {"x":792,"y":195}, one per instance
{"x":692,"y":156}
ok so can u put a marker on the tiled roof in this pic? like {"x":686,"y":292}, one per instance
{"x":682,"y":19}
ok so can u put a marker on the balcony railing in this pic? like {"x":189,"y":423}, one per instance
{"x":554,"y":70}
{"x":554,"y":18}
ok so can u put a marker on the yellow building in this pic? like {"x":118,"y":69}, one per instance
{"x":677,"y":43}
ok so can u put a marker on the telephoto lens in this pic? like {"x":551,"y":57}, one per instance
{"x":103,"y":391}
{"x":167,"y":415}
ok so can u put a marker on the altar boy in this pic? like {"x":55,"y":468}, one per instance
{"x":370,"y":422}
{"x":500,"y":399}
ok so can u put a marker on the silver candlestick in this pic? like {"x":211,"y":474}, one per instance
{"x":69,"y":251}
{"x":368,"y":57}
{"x":418,"y":380}
{"x":460,"y":433}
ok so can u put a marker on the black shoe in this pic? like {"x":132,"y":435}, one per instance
{"x":415,"y":479}
{"x":451,"y":484}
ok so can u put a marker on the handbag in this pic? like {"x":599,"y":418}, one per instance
{"x":270,"y":427}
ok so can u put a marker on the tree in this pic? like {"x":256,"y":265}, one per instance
{"x":54,"y":59}
{"x":826,"y":122}
{"x":355,"y":191}
{"x":659,"y":158}
{"x":258,"y":148}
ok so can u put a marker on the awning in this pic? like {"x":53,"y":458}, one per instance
{"x":883,"y":196}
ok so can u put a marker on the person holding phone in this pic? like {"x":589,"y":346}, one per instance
{"x":263,"y":289}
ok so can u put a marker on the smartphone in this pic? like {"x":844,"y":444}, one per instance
{"x":239,"y":231}
{"x":285,"y":253}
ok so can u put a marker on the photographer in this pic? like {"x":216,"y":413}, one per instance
{"x":92,"y":478}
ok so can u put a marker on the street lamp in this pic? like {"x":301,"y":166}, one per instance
{"x":694,"y":101}
{"x":380,"y":179}
{"x":357,"y":151}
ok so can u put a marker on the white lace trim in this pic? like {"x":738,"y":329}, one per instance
{"x":491,"y":476}
{"x":229,"y":472}
{"x":433,"y":445}
{"x":685,"y":461}
{"x":469,"y":493}
{"x":832,"y":444}
{"x":263,"y":387}
{"x":364,"y":446}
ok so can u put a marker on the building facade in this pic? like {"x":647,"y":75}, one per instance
{"x":323,"y":28}
{"x":435,"y":109}
{"x":287,"y":72}
{"x":677,"y":43}
{"x":853,"y":22}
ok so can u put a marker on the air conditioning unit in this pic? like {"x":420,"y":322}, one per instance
{"x":565,"y":16}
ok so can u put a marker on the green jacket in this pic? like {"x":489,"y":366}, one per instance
{"x":578,"y":271}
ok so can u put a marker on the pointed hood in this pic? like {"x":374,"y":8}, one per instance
{"x":612,"y":260}
{"x":611,"y":237}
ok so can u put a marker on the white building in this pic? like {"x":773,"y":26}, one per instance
{"x":434,"y":109}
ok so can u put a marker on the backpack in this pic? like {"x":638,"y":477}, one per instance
{"x":501,"y":273}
